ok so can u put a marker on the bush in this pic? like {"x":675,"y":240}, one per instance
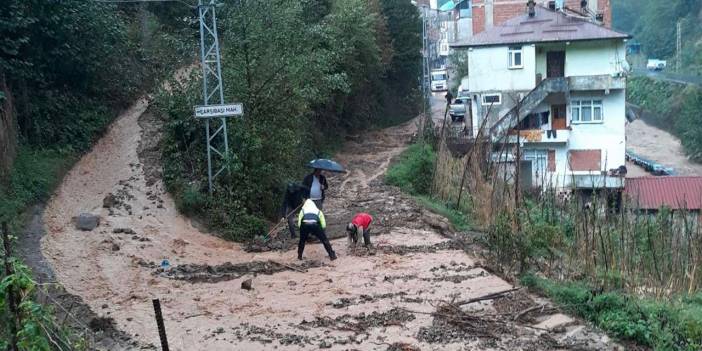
{"x":675,"y":324}
{"x":459,"y":220}
{"x":413,"y":170}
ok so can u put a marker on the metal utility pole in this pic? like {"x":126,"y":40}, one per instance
{"x":213,"y":110}
{"x":214,"y":107}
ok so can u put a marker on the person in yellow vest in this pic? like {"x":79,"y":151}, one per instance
{"x":311,"y":221}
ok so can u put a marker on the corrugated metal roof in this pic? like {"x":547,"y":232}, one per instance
{"x":672,"y":192}
{"x":545,"y":26}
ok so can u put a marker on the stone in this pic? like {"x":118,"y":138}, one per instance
{"x":246,"y":284}
{"x":109,"y":201}
{"x":115,"y":247}
{"x":87,"y":221}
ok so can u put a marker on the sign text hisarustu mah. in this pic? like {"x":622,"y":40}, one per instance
{"x":227,"y":110}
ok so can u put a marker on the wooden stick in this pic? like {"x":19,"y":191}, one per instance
{"x":288,"y":266}
{"x":487,"y":297}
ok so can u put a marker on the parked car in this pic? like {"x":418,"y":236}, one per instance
{"x":457,"y":109}
{"x":656,"y":65}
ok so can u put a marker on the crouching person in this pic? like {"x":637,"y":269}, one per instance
{"x":360,"y":226}
{"x":311,"y":221}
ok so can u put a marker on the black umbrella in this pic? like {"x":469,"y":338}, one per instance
{"x":327,"y":165}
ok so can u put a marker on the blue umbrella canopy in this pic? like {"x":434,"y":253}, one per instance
{"x":327,"y":165}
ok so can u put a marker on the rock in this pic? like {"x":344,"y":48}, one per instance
{"x":246,"y":284}
{"x":115,"y":247}
{"x":109,"y":201}
{"x":123,"y":230}
{"x":87,"y":221}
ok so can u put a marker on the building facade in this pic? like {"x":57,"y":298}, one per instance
{"x":554,"y":82}
{"x":489,"y":13}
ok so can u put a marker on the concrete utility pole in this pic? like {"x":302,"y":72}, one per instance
{"x":425,"y":67}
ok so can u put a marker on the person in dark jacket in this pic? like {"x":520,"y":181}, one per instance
{"x":292,"y":201}
{"x":449,"y":97}
{"x":316,"y":182}
{"x":311,"y":221}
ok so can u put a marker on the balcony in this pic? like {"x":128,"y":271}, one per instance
{"x":597,"y":82}
{"x":539,"y":136}
{"x":595,"y":181}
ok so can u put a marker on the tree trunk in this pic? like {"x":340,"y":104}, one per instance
{"x":8,"y":130}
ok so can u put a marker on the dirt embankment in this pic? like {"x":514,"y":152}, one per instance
{"x":217,"y":296}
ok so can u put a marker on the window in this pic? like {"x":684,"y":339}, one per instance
{"x":492,"y":99}
{"x":438,"y":76}
{"x":464,"y":9}
{"x":586,"y":111}
{"x":515,"y":57}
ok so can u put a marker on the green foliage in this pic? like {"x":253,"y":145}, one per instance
{"x":413,"y":170}
{"x":653,"y":24}
{"x":675,"y":324}
{"x":70,"y":66}
{"x":457,"y":218}
{"x":322,"y":72}
{"x":673,"y":107}
{"x":37,"y":329}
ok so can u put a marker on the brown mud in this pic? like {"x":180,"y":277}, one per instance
{"x":389,"y":297}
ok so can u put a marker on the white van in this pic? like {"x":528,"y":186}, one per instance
{"x":439,"y":80}
{"x":656,"y":65}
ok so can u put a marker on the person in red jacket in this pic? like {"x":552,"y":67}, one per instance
{"x":360,"y":224}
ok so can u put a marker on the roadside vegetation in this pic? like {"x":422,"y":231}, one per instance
{"x":412,"y":172}
{"x":674,"y":107}
{"x":67,"y":69}
{"x":636,"y":275}
{"x":328,"y":68}
{"x":653,"y":24}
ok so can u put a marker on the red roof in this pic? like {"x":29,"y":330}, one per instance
{"x":672,"y":192}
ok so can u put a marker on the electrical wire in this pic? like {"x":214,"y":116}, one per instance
{"x":144,"y":1}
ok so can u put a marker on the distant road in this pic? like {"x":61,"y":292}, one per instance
{"x":668,"y":77}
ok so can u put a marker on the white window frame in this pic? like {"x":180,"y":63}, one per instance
{"x":484,"y":103}
{"x":578,"y":106}
{"x":513,"y":52}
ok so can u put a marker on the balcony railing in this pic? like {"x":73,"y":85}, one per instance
{"x":559,"y":136}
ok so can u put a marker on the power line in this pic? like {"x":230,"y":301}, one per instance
{"x":144,"y":1}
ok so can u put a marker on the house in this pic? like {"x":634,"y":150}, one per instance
{"x":490,"y":13}
{"x":650,"y":194}
{"x":553,"y":81}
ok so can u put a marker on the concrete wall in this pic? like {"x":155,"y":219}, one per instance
{"x":464,"y":28}
{"x":595,"y":57}
{"x":609,"y":136}
{"x":489,"y":69}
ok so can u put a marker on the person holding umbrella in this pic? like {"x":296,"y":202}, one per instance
{"x":316,"y":182}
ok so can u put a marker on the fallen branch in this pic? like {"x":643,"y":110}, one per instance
{"x":288,"y":266}
{"x":492,"y":296}
{"x":524,"y":312}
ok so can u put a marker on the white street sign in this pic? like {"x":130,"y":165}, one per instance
{"x":227,"y":110}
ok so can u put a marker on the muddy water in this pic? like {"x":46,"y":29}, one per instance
{"x":363,"y":300}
